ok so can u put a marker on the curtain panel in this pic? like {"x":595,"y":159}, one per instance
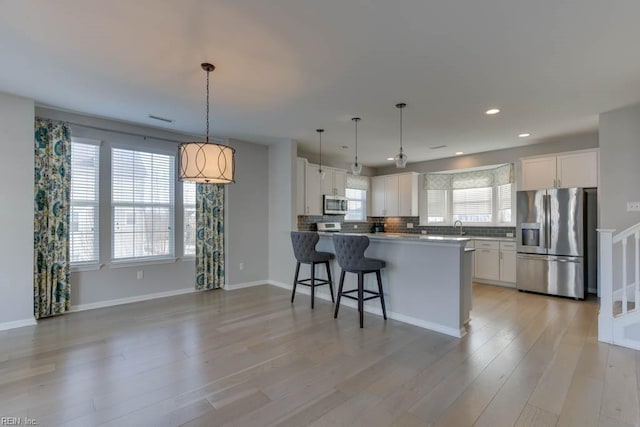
{"x":500,"y":175}
{"x":209,"y":236}
{"x":358,"y":182}
{"x":52,"y":188}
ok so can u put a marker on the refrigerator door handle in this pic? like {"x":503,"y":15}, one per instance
{"x":547,"y":222}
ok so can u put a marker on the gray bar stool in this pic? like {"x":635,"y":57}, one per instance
{"x":350,"y":256}
{"x":304,"y":249}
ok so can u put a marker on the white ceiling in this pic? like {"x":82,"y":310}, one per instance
{"x":287,"y":67}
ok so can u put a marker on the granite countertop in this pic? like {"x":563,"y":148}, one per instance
{"x":407,"y":237}
{"x":422,"y":237}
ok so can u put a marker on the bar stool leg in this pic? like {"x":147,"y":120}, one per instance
{"x":330,"y":281}
{"x":384,"y":310}
{"x":313,"y":282}
{"x":295,"y":281}
{"x":341,"y":283}
{"x":361,"y":297}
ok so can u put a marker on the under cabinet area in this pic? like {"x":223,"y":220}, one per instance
{"x":495,"y":262}
{"x":395,"y":195}
{"x":564,"y":170}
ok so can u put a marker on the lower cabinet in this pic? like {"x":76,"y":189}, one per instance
{"x":495,"y":262}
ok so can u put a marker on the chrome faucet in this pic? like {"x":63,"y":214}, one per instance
{"x":455,"y":224}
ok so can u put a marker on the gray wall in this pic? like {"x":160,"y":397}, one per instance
{"x":16,"y":213}
{"x":282,"y":219}
{"x":619,"y":170}
{"x":509,"y":155}
{"x":246,"y":223}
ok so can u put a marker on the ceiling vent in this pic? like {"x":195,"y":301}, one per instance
{"x":437,"y":147}
{"x":162,"y":119}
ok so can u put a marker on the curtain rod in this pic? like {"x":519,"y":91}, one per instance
{"x":121,"y":132}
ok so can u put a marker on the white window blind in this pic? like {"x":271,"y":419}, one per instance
{"x":473,"y":205}
{"x":504,"y":203}
{"x":84,"y":233}
{"x":436,"y":206}
{"x":142,"y":199}
{"x":189,"y":215}
{"x":356,"y":205}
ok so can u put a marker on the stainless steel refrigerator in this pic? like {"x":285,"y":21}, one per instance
{"x":556,"y":241}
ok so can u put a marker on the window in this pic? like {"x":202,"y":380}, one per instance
{"x":437,"y":206}
{"x":189,"y":207}
{"x":83,"y":233}
{"x":505,"y":193}
{"x":142,"y":201}
{"x":356,"y":205}
{"x":473,"y":205}
{"x":480,"y":197}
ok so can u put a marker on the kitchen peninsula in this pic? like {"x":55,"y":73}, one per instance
{"x":427,"y":280}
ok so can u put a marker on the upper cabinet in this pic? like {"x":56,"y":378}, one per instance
{"x":311,"y":187}
{"x":395,"y":195}
{"x":334,"y":182}
{"x":566,"y":170}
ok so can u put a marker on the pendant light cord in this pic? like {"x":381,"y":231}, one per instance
{"x":400,"y":130}
{"x":356,"y":142}
{"x":208,"y":72}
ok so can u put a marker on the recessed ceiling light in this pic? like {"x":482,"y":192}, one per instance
{"x":458,"y":153}
{"x":492,"y":111}
{"x":390,"y":158}
{"x":524,"y":135}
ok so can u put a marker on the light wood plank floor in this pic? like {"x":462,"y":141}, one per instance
{"x":250,"y":358}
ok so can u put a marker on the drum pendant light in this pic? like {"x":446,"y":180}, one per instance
{"x":356,"y":167}
{"x":401,"y":158}
{"x":206,"y":162}
{"x":320,"y":170}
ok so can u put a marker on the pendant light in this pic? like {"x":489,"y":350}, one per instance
{"x":401,"y":158}
{"x":356,"y":167}
{"x":320,"y":170}
{"x":206,"y":162}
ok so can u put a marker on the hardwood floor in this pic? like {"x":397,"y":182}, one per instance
{"x":250,"y":358}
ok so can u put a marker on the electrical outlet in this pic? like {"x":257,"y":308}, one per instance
{"x":509,"y":234}
{"x":241,"y":266}
{"x":355,"y":227}
{"x":633,"y":206}
{"x":140,"y":275}
{"x":423,"y":232}
{"x":409,"y":225}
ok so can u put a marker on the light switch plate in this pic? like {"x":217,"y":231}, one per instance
{"x":633,"y":206}
{"x":409,"y":225}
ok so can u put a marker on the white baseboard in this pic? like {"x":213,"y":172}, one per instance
{"x":128,"y":300}
{"x":378,"y":311}
{"x":18,"y":324}
{"x":245,"y":285}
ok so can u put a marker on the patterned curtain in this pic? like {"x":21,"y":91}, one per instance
{"x":500,"y":175}
{"x":51,"y":288}
{"x":209,"y":236}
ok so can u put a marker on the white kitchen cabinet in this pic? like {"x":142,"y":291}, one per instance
{"x":384,"y":195}
{"x":563,"y":170}
{"x":577,"y":169}
{"x":395,"y":195}
{"x":508,"y":262}
{"x":408,"y":194}
{"x":334,"y":182}
{"x":487,"y":260}
{"x":301,"y":165}
{"x":538,"y":173}
{"x":313,"y":190}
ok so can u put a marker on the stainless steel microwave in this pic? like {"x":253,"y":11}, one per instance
{"x":334,"y":205}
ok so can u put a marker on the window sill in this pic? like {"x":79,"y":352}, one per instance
{"x":140,"y":263}
{"x":86,"y":267}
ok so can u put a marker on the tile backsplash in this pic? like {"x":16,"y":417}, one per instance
{"x":399,"y":225}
